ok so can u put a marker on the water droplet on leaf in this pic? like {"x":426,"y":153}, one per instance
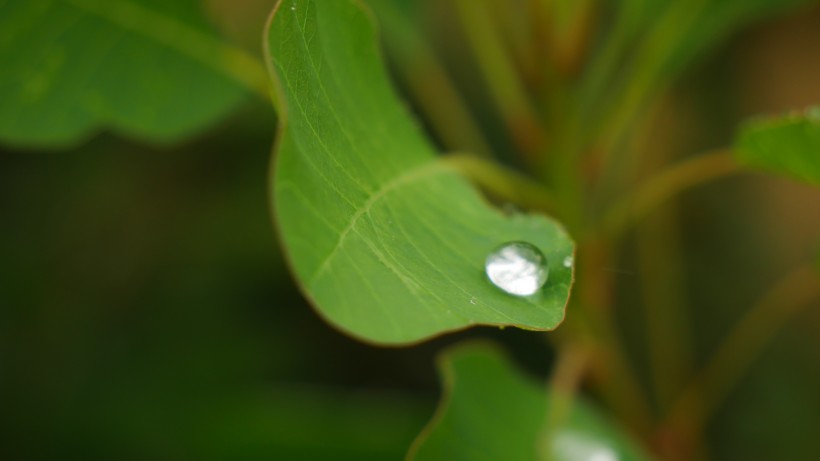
{"x":569,"y":261}
{"x":519,"y":268}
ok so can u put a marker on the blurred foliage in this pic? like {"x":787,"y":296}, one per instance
{"x":138,"y":68}
{"x":786,"y":145}
{"x":146,"y":312}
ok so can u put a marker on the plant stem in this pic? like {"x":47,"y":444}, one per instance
{"x":665,"y":185}
{"x":614,"y":374}
{"x":573,"y":361}
{"x":430,"y":84}
{"x":657,"y":244}
{"x":735,"y":355}
{"x":660,"y":42}
{"x":516,"y":29}
{"x":618,"y":381}
{"x":502,"y":182}
{"x":567,"y":35}
{"x":507,"y":89}
{"x":603,"y":66}
{"x":664,"y":304}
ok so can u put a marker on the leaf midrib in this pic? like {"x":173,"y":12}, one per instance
{"x":409,"y":177}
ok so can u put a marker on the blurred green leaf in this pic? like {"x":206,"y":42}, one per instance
{"x":144,"y":68}
{"x":787,"y":145}
{"x":387,"y":240}
{"x":491,"y":411}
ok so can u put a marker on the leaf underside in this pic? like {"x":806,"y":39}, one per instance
{"x":491,"y":411}
{"x":386,"y":240}
{"x":72,"y":67}
{"x":787,"y":145}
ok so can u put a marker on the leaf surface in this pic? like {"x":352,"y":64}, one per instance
{"x":385,"y":238}
{"x":491,"y":411}
{"x":788,"y":145}
{"x":144,"y":68}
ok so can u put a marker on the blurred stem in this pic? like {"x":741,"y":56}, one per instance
{"x":565,"y":40}
{"x":614,"y":373}
{"x":735,"y":355}
{"x":603,"y":66}
{"x":572,"y":363}
{"x":664,"y":304}
{"x":665,"y":185}
{"x":573,"y":360}
{"x":505,"y":85}
{"x":618,"y":381}
{"x":515,"y":27}
{"x":233,"y":62}
{"x":430,"y":84}
{"x":502,"y":182}
{"x":658,"y":44}
{"x":658,"y":250}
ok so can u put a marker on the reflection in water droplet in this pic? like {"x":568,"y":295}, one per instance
{"x":569,"y":261}
{"x":572,"y":446}
{"x":518,"y":268}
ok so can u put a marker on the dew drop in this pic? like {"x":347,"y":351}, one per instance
{"x":518,"y":268}
{"x":569,"y":261}
{"x":572,"y":445}
{"x":473,"y":301}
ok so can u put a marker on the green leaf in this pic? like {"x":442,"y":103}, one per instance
{"x":144,"y":68}
{"x":385,"y":238}
{"x":787,"y":145}
{"x":491,"y":411}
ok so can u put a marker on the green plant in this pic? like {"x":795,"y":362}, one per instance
{"x":388,"y":239}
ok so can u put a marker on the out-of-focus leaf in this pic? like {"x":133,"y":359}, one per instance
{"x":386,"y":239}
{"x":144,"y":68}
{"x":787,"y":145}
{"x":490,"y":411}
